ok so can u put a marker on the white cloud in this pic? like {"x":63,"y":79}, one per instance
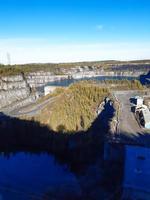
{"x":30,"y":50}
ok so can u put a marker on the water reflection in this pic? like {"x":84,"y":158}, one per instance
{"x":80,"y":173}
{"x":24,"y":176}
{"x":67,"y":82}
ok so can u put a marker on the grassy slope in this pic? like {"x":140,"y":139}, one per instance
{"x":74,"y":108}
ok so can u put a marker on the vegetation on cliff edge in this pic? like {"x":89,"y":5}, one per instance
{"x":75,"y":108}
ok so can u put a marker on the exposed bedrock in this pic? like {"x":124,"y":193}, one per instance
{"x":37,"y":79}
{"x":41,"y":78}
{"x":17,"y":90}
{"x":14,"y":90}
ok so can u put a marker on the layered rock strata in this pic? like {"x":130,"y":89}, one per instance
{"x":14,"y":90}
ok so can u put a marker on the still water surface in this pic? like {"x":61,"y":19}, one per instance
{"x":31,"y":176}
{"x":67,"y":82}
{"x":26,"y":176}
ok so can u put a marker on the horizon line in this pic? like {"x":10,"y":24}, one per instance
{"x":74,"y":62}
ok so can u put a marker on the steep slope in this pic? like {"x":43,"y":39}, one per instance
{"x":15,"y":91}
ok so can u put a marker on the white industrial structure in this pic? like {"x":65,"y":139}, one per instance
{"x":138,"y":101}
{"x":49,"y":89}
{"x":141,"y":111}
{"x":145,"y":118}
{"x":136,"y":173}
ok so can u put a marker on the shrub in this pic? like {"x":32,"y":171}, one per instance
{"x":75,"y":109}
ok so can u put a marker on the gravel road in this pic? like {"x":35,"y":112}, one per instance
{"x":31,"y":110}
{"x":127,"y":122}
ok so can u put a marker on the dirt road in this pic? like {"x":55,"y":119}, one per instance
{"x":31,"y":110}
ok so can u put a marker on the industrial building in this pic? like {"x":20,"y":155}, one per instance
{"x":49,"y":89}
{"x":145,"y":118}
{"x":141,"y":111}
{"x":138,"y":101}
{"x":136,"y":182}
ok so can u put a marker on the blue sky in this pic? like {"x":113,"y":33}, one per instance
{"x":74,"y":30}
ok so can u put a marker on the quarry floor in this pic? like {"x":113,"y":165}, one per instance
{"x":128,"y":126}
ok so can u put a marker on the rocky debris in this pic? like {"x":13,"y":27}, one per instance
{"x":100,"y":108}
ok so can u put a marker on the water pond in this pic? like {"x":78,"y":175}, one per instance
{"x":26,"y":176}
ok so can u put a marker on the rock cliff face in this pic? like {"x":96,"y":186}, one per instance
{"x":37,"y":79}
{"x":15,"y":91}
{"x":122,"y":73}
{"x":106,"y":73}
